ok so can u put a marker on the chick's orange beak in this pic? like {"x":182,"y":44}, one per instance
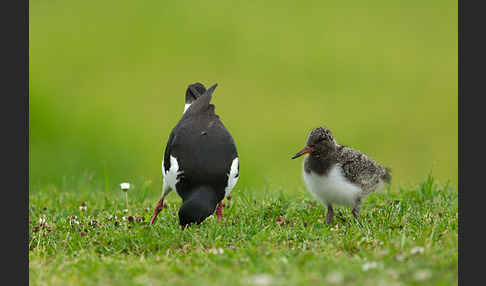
{"x":304,"y":150}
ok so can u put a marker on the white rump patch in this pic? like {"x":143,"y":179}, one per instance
{"x":232,"y":177}
{"x":332,"y":188}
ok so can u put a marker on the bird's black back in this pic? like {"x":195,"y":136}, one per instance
{"x":203,"y":148}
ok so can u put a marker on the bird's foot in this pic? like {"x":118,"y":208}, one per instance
{"x":158,"y":207}
{"x":341,"y":216}
{"x":219,"y":211}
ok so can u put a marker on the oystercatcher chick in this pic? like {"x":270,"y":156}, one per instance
{"x":200,"y":161}
{"x":336,"y":174}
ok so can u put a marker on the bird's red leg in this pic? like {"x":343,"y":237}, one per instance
{"x":228,"y":198}
{"x":219,"y":211}
{"x":158,"y":207}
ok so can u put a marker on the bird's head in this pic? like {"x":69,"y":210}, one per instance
{"x":320,"y":143}
{"x":198,"y":206}
{"x":193,"y":92}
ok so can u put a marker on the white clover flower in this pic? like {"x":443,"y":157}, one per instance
{"x":125,"y":186}
{"x":261,"y":279}
{"x":73,"y":222}
{"x":335,"y":278}
{"x":400,"y":257}
{"x":216,"y":250}
{"x":417,"y":250}
{"x":422,"y":275}
{"x":369,"y":265}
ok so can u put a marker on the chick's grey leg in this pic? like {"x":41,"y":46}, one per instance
{"x":330,"y":214}
{"x":355,"y":210}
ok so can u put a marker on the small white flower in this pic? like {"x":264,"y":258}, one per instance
{"x":83,"y":208}
{"x":261,"y":279}
{"x":125,"y":186}
{"x":42,"y":220}
{"x":125,"y":210}
{"x":417,"y":250}
{"x":335,"y":278}
{"x":369,"y":265}
{"x":216,"y":250}
{"x":400,"y":257}
{"x":73,"y":222}
{"x":422,"y":275}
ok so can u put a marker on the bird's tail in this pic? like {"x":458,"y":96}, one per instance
{"x":387,"y":176}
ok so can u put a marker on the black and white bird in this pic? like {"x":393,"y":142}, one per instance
{"x":336,"y":174}
{"x":200,"y":161}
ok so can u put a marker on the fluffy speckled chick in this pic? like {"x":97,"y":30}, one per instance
{"x":336,"y":174}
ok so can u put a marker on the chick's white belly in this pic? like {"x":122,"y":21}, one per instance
{"x":332,"y":188}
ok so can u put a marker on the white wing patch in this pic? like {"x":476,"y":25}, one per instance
{"x":186,"y":107}
{"x":170,"y":176}
{"x":233,"y":176}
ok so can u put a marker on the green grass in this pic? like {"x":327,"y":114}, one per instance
{"x":269,"y":236}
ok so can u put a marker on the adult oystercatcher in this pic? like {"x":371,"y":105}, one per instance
{"x":336,"y":174}
{"x":200,"y":161}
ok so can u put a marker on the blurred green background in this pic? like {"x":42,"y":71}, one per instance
{"x":108,"y":78}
